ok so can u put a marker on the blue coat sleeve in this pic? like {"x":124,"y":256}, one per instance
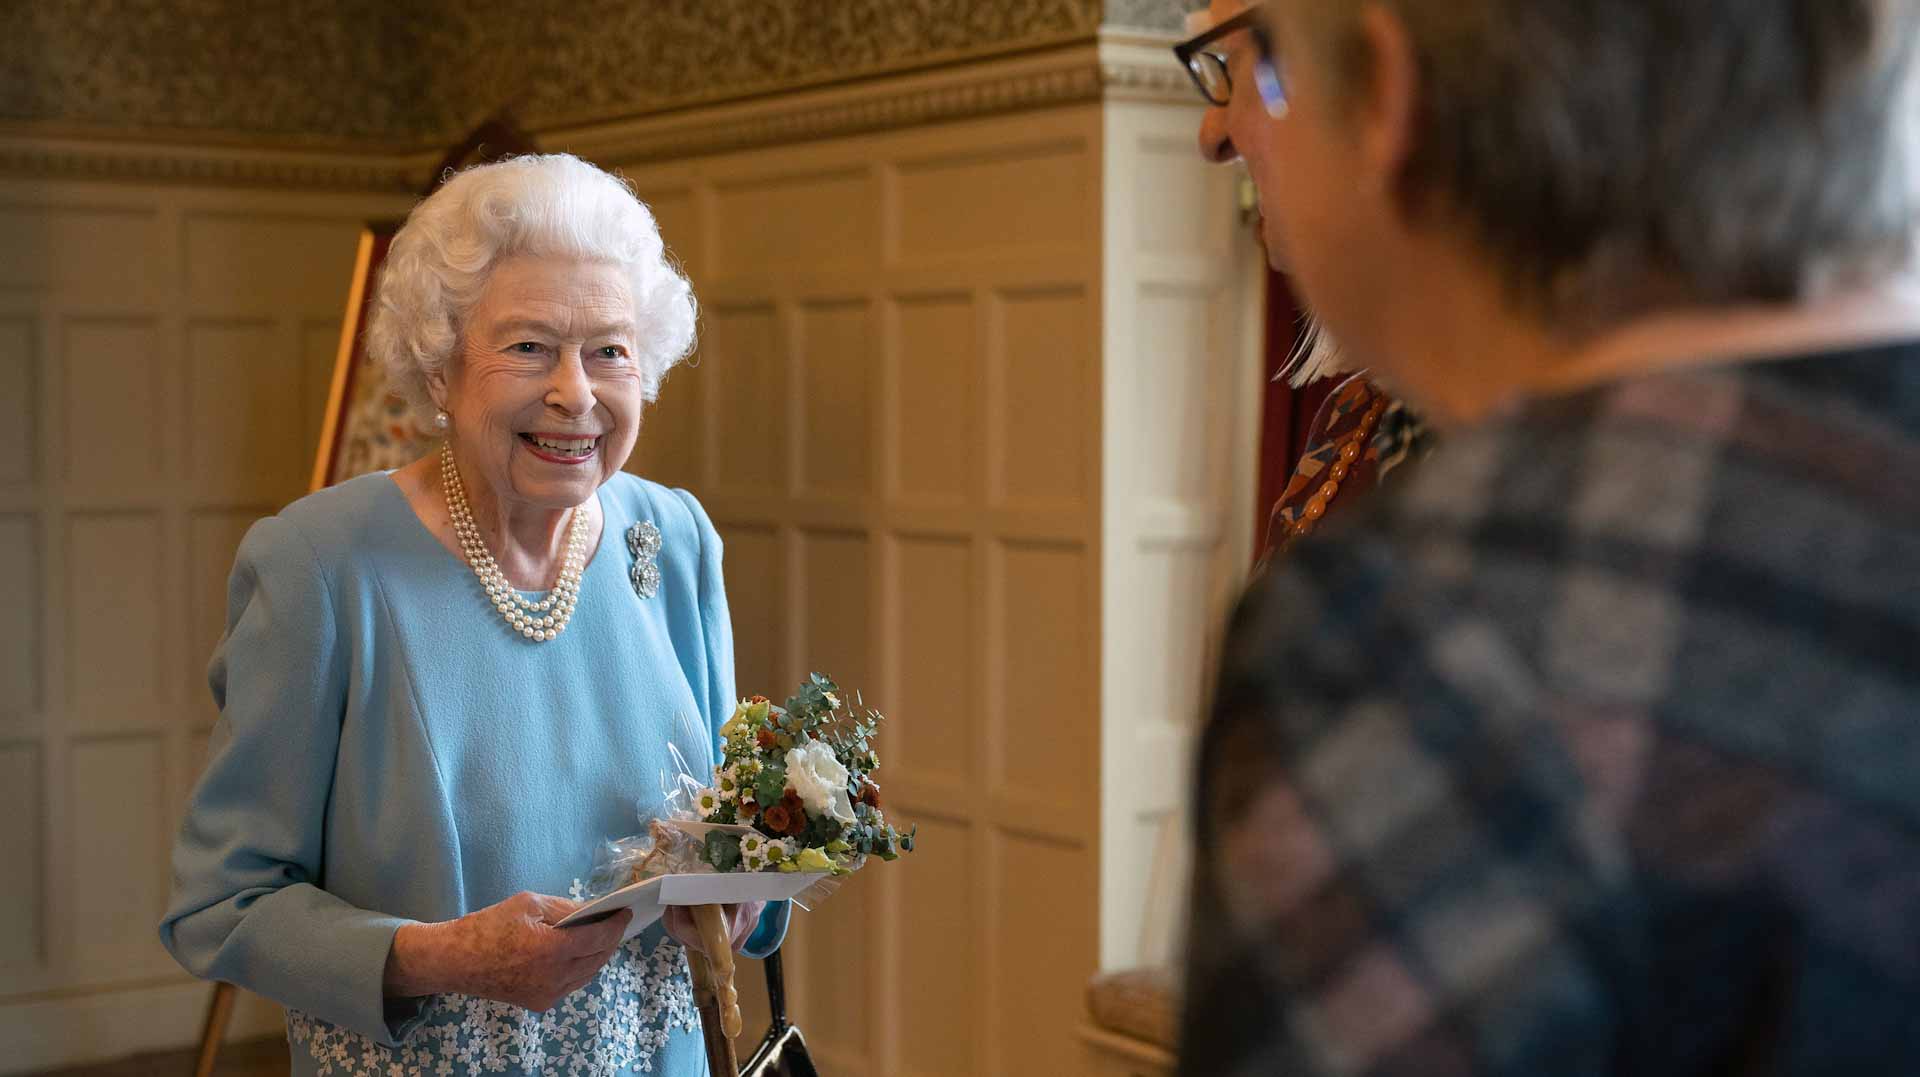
{"x":248,"y":905}
{"x":720,"y":698}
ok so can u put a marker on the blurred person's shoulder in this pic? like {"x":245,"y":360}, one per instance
{"x":1689,"y":542}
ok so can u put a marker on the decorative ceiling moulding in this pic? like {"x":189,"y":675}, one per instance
{"x":1118,"y":65}
{"x":1129,"y":67}
{"x":417,"y":72}
{"x":26,"y":156}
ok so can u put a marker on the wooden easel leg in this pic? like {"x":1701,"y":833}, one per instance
{"x":214,"y":1031}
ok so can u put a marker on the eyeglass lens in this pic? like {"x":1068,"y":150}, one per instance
{"x":1210,"y":74}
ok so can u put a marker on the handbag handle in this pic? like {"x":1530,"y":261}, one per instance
{"x":776,"y":992}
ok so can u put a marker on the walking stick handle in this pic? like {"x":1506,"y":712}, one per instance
{"x":714,"y":991}
{"x":712,"y":922}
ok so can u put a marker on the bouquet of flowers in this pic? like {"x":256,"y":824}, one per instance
{"x":794,"y":788}
{"x":793,"y":792}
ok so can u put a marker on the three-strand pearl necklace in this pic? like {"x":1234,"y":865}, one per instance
{"x":538,"y":621}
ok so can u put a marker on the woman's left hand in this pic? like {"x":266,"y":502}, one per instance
{"x":741,"y":920}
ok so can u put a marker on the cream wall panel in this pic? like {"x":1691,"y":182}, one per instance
{"x":1041,"y":755}
{"x":1169,"y":589}
{"x":1001,"y":202}
{"x":1041,"y":963}
{"x":239,"y":263}
{"x":53,"y":249}
{"x":672,"y":448}
{"x":21,"y":580}
{"x":841,"y":983}
{"x":319,"y":352}
{"x":22,"y":851}
{"x":837,"y":389}
{"x":199,"y":751}
{"x":245,"y":414}
{"x":943,"y":984}
{"x":1047,"y":341}
{"x":839,"y":609}
{"x":115,"y":598}
{"x":749,"y":385}
{"x":935,"y":440}
{"x":865,"y":301}
{"x":678,"y":215}
{"x":213,"y":537}
{"x":1176,"y":451}
{"x":756,"y":598}
{"x":118,"y":888}
{"x":144,"y":331}
{"x":937,"y":643}
{"x":786,"y":221}
{"x":113,"y":406}
{"x":1186,"y":217}
{"x":1181,"y":327}
{"x":19,"y":360}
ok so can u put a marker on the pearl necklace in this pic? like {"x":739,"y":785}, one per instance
{"x":538,"y":621}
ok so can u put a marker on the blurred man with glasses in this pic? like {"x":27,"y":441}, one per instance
{"x":1358,"y":433}
{"x":1591,"y":748}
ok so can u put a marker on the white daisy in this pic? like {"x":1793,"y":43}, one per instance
{"x":707,"y":801}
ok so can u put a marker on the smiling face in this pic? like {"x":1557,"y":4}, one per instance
{"x":545,"y":393}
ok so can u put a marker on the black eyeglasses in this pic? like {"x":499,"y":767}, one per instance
{"x":1208,"y":68}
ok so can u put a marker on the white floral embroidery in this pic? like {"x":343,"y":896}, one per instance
{"x":618,"y":1022}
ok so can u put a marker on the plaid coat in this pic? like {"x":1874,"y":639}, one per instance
{"x":1594,"y":747}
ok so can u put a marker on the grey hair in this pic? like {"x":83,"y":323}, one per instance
{"x":551,"y":204}
{"x":1316,"y":355}
{"x":1615,"y":156}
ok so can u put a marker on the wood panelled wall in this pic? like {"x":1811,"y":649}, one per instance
{"x":164,"y":356}
{"x":895,"y":422}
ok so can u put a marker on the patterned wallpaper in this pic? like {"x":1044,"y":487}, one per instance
{"x":409,"y":73}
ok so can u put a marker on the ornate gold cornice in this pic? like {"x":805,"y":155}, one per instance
{"x":26,"y":155}
{"x":1127,"y":67}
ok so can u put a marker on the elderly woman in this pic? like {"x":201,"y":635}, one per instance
{"x":441,"y":687}
{"x":1594,"y":747}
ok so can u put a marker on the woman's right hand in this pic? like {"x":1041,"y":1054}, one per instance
{"x":509,"y":952}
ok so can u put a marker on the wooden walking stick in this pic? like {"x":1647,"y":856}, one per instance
{"x":714,"y":991}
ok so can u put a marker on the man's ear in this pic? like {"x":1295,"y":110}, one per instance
{"x":1388,"y":97}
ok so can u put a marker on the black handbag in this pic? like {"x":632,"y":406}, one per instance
{"x":783,"y":1053}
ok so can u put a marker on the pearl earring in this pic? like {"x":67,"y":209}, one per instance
{"x":440,"y":419}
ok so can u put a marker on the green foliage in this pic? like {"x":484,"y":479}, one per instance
{"x":771,"y":784}
{"x":816,"y":711}
{"x":723,"y":851}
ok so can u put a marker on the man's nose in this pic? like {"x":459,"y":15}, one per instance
{"x":1216,"y":144}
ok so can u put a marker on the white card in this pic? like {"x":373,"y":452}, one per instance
{"x":649,"y":899}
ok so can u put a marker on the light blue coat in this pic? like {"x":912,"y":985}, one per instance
{"x":389,"y":751}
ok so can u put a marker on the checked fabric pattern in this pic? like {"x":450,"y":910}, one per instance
{"x":1592,"y":748}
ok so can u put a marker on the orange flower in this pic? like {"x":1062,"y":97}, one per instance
{"x":777,"y":819}
{"x":795,"y":811}
{"x":870,"y":795}
{"x":766,"y":738}
{"x":758,"y":699}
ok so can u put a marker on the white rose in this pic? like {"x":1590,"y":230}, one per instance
{"x":820,"y":781}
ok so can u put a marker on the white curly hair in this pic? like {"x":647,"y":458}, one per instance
{"x":546,"y":204}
